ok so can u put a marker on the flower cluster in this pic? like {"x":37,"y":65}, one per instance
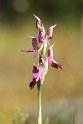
{"x":39,"y":71}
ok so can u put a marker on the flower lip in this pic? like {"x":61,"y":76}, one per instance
{"x":37,"y":76}
{"x":32,"y":83}
{"x":55,"y":64}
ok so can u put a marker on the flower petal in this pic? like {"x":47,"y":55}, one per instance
{"x":26,"y":51}
{"x":37,"y":18}
{"x":37,"y":72}
{"x":55,"y":64}
{"x":39,"y":25}
{"x":32,"y":83}
{"x":50,"y":32}
{"x":35,"y":44}
{"x":50,"y":51}
{"x":38,"y":22}
{"x":39,"y":75}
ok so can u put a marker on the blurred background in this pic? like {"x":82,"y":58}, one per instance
{"x":62,"y":88}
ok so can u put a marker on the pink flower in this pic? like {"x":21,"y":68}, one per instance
{"x":37,"y":76}
{"x":39,"y":72}
{"x":50,"y":32}
{"x":38,"y":22}
{"x":34,"y":45}
{"x":39,"y":25}
{"x":52,"y":62}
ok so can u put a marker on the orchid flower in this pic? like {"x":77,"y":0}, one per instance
{"x":52,"y":62}
{"x":37,"y":76}
{"x":50,"y":32}
{"x":34,"y":45}
{"x":39,"y":25}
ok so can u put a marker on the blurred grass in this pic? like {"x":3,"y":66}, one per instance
{"x":16,"y":67}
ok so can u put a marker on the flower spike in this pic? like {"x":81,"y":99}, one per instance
{"x":40,"y":46}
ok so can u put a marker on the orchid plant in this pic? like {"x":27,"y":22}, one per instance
{"x":44,"y":55}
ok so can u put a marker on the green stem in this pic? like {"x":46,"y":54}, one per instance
{"x":39,"y":104}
